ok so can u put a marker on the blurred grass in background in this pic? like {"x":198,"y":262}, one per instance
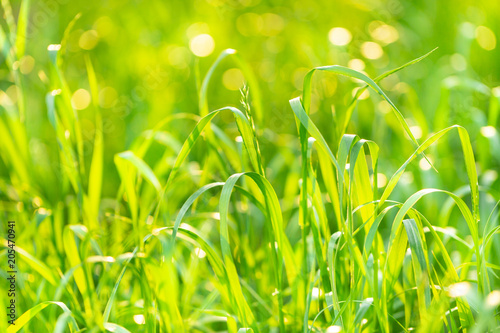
{"x":143,"y":54}
{"x":149,"y":59}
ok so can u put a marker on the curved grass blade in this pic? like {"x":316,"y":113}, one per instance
{"x":22,"y":25}
{"x":31,"y":313}
{"x":352,"y":105}
{"x":96,"y":165}
{"x":248,"y":74}
{"x":111,"y":299}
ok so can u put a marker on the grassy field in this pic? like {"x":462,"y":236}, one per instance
{"x":249,"y":166}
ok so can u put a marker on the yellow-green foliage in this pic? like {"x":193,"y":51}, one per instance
{"x":311,"y":178}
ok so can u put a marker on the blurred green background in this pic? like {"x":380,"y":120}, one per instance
{"x":145,"y":58}
{"x":150,"y":58}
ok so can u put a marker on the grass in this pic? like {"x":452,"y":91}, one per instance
{"x":221,"y":222}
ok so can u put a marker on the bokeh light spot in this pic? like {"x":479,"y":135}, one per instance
{"x":273,"y":24}
{"x":202,"y":45}
{"x":371,"y":50}
{"x":364,"y":95}
{"x":139,"y":319}
{"x":249,"y":24}
{"x":178,"y":57}
{"x":424,"y":164}
{"x":339,"y":36}
{"x":334,"y":329}
{"x":486,"y":38}
{"x":416,"y":131}
{"x":381,"y":180}
{"x":80,"y":99}
{"x":107,"y":97}
{"x":356,"y":64}
{"x":383,"y":33}
{"x":12,"y":92}
{"x":196,"y":29}
{"x":459,"y":289}
{"x":493,"y":299}
{"x":488,"y":131}
{"x":88,"y":40}
{"x":458,"y":62}
{"x":233,"y":79}
{"x":103,"y":26}
{"x":26,"y":64}
{"x":298,"y":77}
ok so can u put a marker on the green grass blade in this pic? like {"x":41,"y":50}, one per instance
{"x":96,"y":166}
{"x":31,"y":313}
{"x":22,"y":26}
{"x":422,"y":278}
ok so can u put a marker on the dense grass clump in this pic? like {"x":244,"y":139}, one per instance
{"x":340,"y":216}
